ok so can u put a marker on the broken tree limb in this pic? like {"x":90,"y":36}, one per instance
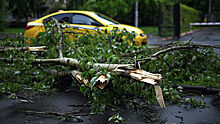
{"x":154,"y":79}
{"x":188,"y":46}
{"x":137,"y":74}
{"x":120,"y":69}
{"x":159,"y":96}
{"x":155,"y":55}
{"x":31,"y":49}
{"x":101,"y":81}
{"x":146,"y":77}
{"x":76,"y":64}
{"x":60,"y":39}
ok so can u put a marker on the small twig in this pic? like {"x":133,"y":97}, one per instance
{"x":136,"y":103}
{"x":78,"y":109}
{"x":24,"y":99}
{"x":29,"y":112}
{"x":77,"y":105}
{"x":165,"y":62}
{"x":199,"y":88}
{"x":72,"y":32}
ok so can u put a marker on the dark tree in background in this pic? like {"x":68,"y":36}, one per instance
{"x":203,"y":5}
{"x":26,"y":8}
{"x":121,"y":10}
{"x":3,"y":14}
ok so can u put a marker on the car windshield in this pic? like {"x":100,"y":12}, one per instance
{"x":105,"y":19}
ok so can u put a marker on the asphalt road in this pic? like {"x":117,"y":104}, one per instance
{"x":205,"y":36}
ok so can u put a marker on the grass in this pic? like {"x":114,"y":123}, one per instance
{"x":13,"y":30}
{"x":150,"y":29}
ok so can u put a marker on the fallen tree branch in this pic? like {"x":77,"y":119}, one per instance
{"x":31,"y":49}
{"x":155,"y":55}
{"x":128,"y":70}
{"x":76,"y":64}
{"x":169,"y":46}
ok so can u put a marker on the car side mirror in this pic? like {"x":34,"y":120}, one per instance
{"x":96,"y":24}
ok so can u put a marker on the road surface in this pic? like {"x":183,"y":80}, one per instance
{"x":204,"y":36}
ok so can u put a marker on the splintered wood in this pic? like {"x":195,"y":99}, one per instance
{"x":159,"y":96}
{"x":153,"y":79}
{"x":145,"y":77}
{"x":101,"y":81}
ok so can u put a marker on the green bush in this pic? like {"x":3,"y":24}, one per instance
{"x":189,"y":15}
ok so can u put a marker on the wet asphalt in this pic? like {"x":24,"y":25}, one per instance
{"x":58,"y":102}
{"x":204,"y":36}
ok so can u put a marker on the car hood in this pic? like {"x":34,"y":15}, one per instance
{"x":128,"y":28}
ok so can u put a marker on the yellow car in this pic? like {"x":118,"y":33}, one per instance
{"x":82,"y":22}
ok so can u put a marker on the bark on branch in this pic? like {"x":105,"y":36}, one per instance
{"x":61,"y":38}
{"x":31,"y":49}
{"x":155,"y":55}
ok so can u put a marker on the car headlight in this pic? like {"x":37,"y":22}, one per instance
{"x":142,"y":35}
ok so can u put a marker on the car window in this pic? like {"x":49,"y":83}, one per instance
{"x":65,"y":17}
{"x":105,"y":19}
{"x":84,"y":20}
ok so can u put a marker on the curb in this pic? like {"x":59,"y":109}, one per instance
{"x":182,"y":34}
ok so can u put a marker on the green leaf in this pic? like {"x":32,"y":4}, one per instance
{"x":93,"y":82}
{"x":194,"y":58}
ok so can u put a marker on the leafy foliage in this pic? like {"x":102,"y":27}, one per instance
{"x":21,"y":74}
{"x":187,"y":16}
{"x":194,"y":66}
{"x":116,"y":119}
{"x":25,"y":8}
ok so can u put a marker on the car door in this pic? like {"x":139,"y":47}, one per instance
{"x":67,"y":19}
{"x":77,"y":23}
{"x":82,"y":24}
